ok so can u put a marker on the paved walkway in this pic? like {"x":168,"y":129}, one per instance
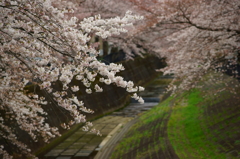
{"x":82,"y":144}
{"x":85,"y":145}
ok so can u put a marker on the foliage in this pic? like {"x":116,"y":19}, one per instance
{"x":45,"y":41}
{"x":40,"y":45}
{"x":193,"y":36}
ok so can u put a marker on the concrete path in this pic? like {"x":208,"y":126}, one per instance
{"x":82,"y":144}
{"x":85,"y":145}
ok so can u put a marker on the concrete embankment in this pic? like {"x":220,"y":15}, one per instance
{"x":113,"y":126}
{"x":140,"y":71}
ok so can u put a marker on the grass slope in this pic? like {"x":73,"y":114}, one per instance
{"x":200,"y":123}
{"x":188,"y":132}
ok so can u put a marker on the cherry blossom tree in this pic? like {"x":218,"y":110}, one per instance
{"x":45,"y":41}
{"x":109,"y":9}
{"x":202,"y":35}
{"x":40,"y":45}
{"x":193,"y":36}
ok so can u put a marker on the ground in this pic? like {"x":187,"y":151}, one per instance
{"x":199,"y":123}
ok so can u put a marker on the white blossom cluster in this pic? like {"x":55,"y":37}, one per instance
{"x":193,"y":36}
{"x":39,"y":45}
{"x":207,"y":37}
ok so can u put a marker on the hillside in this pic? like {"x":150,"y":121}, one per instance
{"x":199,"y":123}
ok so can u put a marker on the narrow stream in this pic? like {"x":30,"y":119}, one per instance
{"x":85,"y":145}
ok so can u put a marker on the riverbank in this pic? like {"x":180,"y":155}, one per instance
{"x":200,"y":123}
{"x":139,"y":70}
{"x":112,"y":127}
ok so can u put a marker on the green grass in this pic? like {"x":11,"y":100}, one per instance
{"x":237,"y":142}
{"x":134,"y":136}
{"x":196,"y":125}
{"x":187,"y":132}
